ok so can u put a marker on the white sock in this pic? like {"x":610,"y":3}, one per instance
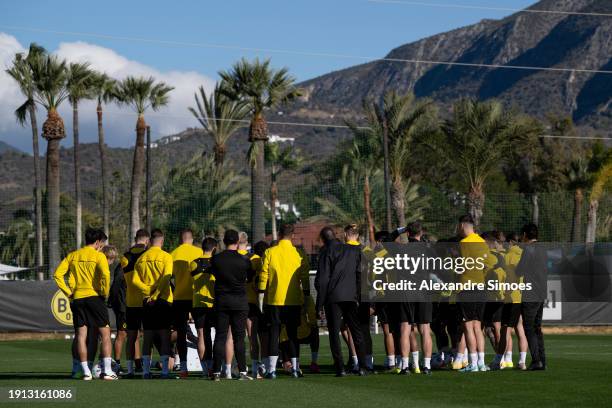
{"x":108,"y":369}
{"x":146,"y":365}
{"x":465,"y":357}
{"x":294,"y":363}
{"x":390,"y":361}
{"x":272,"y":364}
{"x":522,"y":357}
{"x":314,"y":357}
{"x":481,"y":358}
{"x":164,"y":363}
{"x":355,"y":361}
{"x":204,"y":366}
{"x":459,"y":357}
{"x":228,"y":370}
{"x":405,"y":363}
{"x":254,"y":365}
{"x":177,"y":359}
{"x":474,"y":359}
{"x":508,"y":356}
{"x":85,"y":369}
{"x":427,"y":362}
{"x":130,"y":366}
{"x":415,"y":359}
{"x":370,"y":361}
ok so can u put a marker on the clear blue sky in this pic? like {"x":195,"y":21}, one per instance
{"x":336,"y":26}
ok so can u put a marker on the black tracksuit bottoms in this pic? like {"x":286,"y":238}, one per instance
{"x":335,"y":313}
{"x":532,"y":322}
{"x":237,"y":320}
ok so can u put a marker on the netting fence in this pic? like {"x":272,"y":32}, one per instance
{"x":198,"y":194}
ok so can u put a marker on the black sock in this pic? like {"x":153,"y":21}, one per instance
{"x":138,"y":363}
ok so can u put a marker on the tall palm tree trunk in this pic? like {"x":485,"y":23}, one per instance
{"x":368,"y":210}
{"x":53,"y":131}
{"x":104,"y":169}
{"x":137,"y":177}
{"x":273,"y":198}
{"x":40,"y":261}
{"x":77,"y":174}
{"x":219,"y":150}
{"x":591,"y":231}
{"x":576,"y":219}
{"x":476,"y":200}
{"x":535,"y":208}
{"x":399,"y":202}
{"x":258,"y":134}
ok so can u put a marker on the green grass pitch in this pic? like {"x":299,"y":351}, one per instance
{"x":578,"y":375}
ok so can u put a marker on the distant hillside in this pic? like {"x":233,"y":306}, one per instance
{"x":522,"y":39}
{"x":5,"y":147}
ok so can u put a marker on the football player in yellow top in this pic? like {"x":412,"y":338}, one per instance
{"x":133,"y":300}
{"x":182,"y":257}
{"x":203,"y":301}
{"x":89,"y":278}
{"x":283,"y":281}
{"x":151,"y":276}
{"x":471,"y":303}
{"x":254,"y":318}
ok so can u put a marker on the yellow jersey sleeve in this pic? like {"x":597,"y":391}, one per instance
{"x":61,"y":271}
{"x":104,"y":271}
{"x":262,"y":284}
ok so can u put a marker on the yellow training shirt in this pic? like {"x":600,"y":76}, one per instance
{"x":473,"y":246}
{"x":152,"y":274}
{"x":284,"y":273}
{"x":252,"y":286}
{"x":512,"y":258}
{"x":203,"y":282}
{"x":88,"y":274}
{"x":182,"y":257}
{"x":133,"y":296}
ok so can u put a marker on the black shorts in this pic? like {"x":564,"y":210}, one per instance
{"x":277,"y":315}
{"x":157,"y":316}
{"x":133,"y":318}
{"x":382,"y":312}
{"x":180,"y":313}
{"x":203,"y":317}
{"x":423,"y":312}
{"x":511,"y":314}
{"x":401,"y":312}
{"x":472,"y":311}
{"x":120,"y":319}
{"x":254,"y":312}
{"x":493,"y":312}
{"x":91,"y":312}
{"x":363,"y":312}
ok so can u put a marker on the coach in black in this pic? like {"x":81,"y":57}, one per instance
{"x":338,"y":289}
{"x":231,"y":271}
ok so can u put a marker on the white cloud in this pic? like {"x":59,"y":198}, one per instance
{"x":120,"y":121}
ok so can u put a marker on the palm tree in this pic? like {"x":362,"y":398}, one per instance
{"x":16,"y":244}
{"x":220,"y":116}
{"x":220,"y":201}
{"x":50,"y":78}
{"x":104,"y":90}
{"x":141,"y":94}
{"x":602,"y":178}
{"x":23,"y":74}
{"x":279,"y":160}
{"x":261,"y":88}
{"x":404,"y":119}
{"x":475,"y":142}
{"x":79,"y":87}
{"x":579,"y":179}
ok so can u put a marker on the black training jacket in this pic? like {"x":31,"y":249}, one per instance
{"x":338,"y":274}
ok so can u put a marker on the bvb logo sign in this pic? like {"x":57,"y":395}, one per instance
{"x":60,"y":307}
